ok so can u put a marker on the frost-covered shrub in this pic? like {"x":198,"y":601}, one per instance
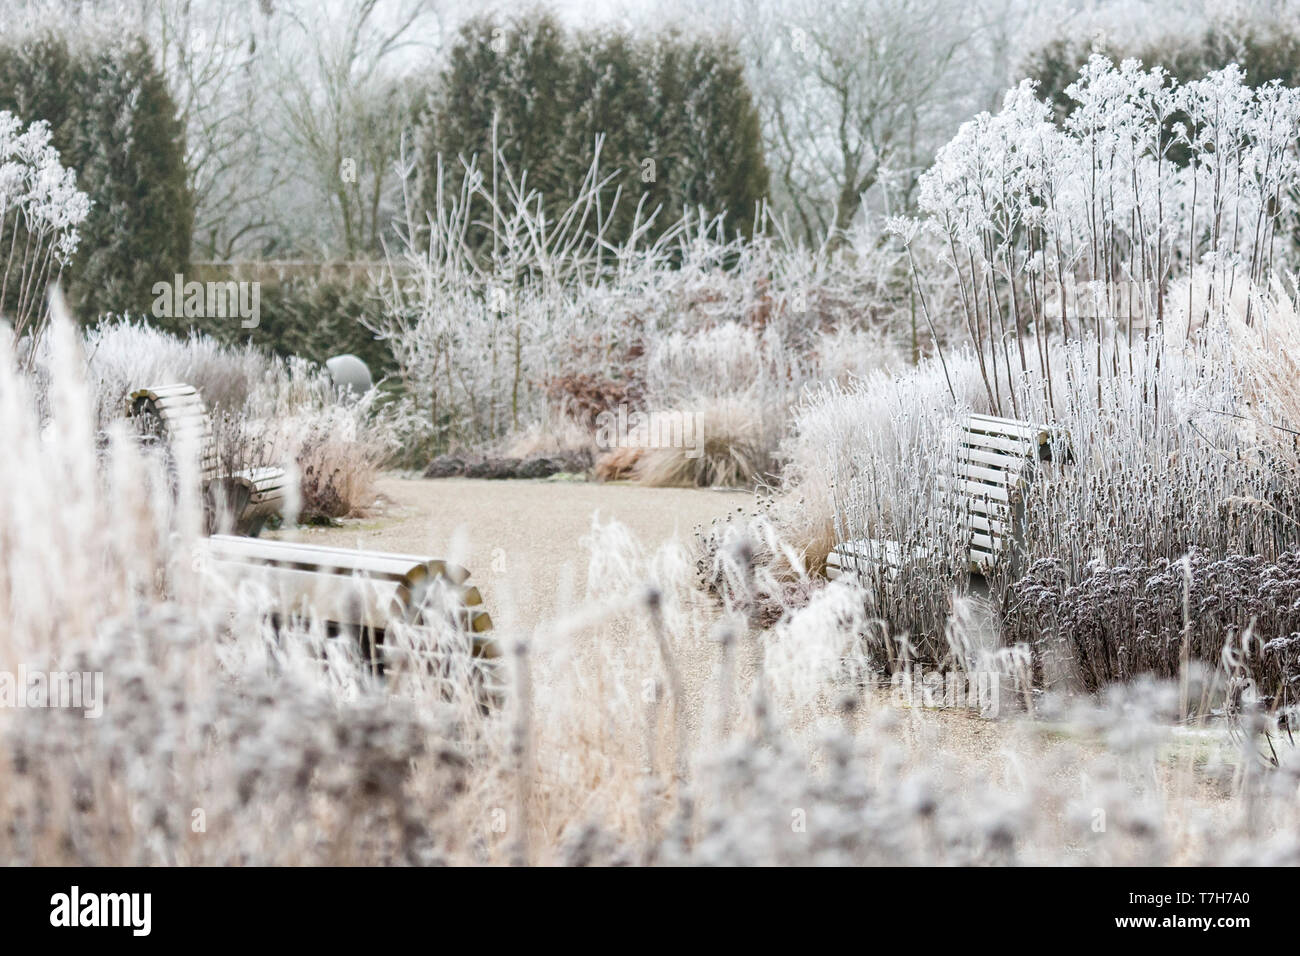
{"x":1080,"y":229}
{"x":865,"y":461}
{"x":126,"y":354}
{"x":1155,"y":462}
{"x":114,"y":122}
{"x":338,"y":451}
{"x":1264,"y":42}
{"x":41,"y":212}
{"x":732,"y":446}
{"x":671,"y":115}
{"x":552,"y":316}
{"x":1118,"y":622}
{"x":315,"y":318}
{"x":266,"y":411}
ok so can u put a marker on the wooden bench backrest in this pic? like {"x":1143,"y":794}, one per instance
{"x":995,"y":460}
{"x":179,"y":410}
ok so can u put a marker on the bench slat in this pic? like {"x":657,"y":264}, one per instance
{"x":179,"y":405}
{"x":986,"y":543}
{"x":341,"y":599}
{"x":846,"y":558}
{"x":181,"y":414}
{"x":989,"y":507}
{"x":261,"y":474}
{"x":262,"y":484}
{"x":163,"y":391}
{"x":347,"y":560}
{"x":188,"y":430}
{"x":1006,"y":426}
{"x":1001,"y":477}
{"x":1011,"y":446}
{"x":974,"y":496}
{"x":994,"y":459}
{"x":987,"y":525}
{"x":978,"y":490}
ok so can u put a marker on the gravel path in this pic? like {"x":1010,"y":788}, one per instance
{"x":522,"y":541}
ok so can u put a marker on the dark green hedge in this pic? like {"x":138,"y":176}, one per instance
{"x":319,"y":318}
{"x":680,"y":127}
{"x":1266,"y":51}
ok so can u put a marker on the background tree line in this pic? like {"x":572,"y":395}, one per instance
{"x":243,"y":131}
{"x":237,"y":130}
{"x":674,"y":113}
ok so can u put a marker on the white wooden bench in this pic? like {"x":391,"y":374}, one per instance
{"x":353,"y":592}
{"x":176,"y":414}
{"x":362,"y":594}
{"x":179,"y":413}
{"x":996,"y":458}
